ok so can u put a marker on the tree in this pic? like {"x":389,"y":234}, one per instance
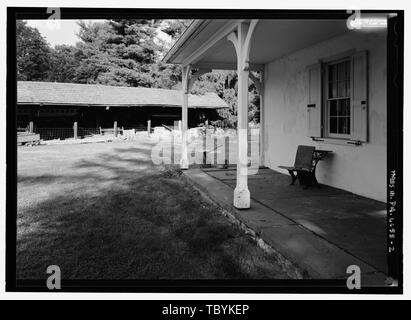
{"x":64,"y":62}
{"x":32,"y":53}
{"x":175,"y":27}
{"x":224,"y":84}
{"x":123,"y":53}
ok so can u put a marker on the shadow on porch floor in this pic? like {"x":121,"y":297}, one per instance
{"x":321,"y":228}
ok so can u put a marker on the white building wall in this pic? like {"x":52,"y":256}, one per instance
{"x":358,"y":169}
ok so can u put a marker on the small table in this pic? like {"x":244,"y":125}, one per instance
{"x":318,"y":155}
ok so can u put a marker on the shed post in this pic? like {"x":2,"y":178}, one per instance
{"x":227,"y":151}
{"x":31,"y":127}
{"x":148,"y":127}
{"x":115,"y":129}
{"x":75,"y":130}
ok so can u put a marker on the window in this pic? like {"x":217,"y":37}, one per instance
{"x":338,"y":110}
{"x":337,"y":99}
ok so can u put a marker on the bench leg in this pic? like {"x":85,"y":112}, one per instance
{"x":305,"y":178}
{"x":293,"y":177}
{"x":308,"y":179}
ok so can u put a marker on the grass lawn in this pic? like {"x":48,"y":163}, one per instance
{"x":104,"y":211}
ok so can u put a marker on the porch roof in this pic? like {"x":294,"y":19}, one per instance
{"x":205,"y":44}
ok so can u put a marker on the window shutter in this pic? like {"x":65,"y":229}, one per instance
{"x":314,"y":101}
{"x":359,"y":102}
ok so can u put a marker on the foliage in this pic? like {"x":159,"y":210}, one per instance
{"x":32,"y":53}
{"x":175,"y":27}
{"x":118,"y":52}
{"x":64,"y":62}
{"x":124,"y":52}
{"x":224,"y":83}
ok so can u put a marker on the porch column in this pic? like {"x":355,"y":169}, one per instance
{"x":188,"y":81}
{"x":241,"y":40}
{"x":259,"y":84}
{"x":262,"y":120}
{"x":184,"y":117}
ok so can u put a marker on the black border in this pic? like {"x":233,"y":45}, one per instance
{"x":395,"y":42}
{"x":395,"y":100}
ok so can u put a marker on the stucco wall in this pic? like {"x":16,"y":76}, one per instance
{"x":358,"y":169}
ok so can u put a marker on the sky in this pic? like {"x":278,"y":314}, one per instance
{"x":58,"y":32}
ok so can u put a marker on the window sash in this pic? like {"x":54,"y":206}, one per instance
{"x":338,"y":116}
{"x":342,"y":66}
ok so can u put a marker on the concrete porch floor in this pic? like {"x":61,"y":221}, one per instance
{"x":320,"y":231}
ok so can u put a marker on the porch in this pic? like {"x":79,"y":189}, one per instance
{"x":286,"y":60}
{"x":321,"y":231}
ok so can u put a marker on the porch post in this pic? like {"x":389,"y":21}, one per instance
{"x":184,"y":117}
{"x":262,"y":120}
{"x":241,"y":41}
{"x":259,"y":84}
{"x":241,"y":193}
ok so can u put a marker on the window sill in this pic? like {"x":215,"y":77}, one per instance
{"x":344,"y":142}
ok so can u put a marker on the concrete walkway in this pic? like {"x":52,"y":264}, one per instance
{"x":320,"y":231}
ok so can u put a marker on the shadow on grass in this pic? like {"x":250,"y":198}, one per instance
{"x":117,"y":216}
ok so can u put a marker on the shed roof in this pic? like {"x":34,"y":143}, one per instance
{"x":57,"y":93}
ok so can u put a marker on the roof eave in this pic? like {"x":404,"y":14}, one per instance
{"x":74,"y":104}
{"x":184,"y":38}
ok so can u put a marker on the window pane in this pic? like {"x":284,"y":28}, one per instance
{"x":332,"y":93}
{"x":347,"y":78}
{"x":341,"y":71}
{"x":341,"y":89}
{"x":343,"y":125}
{"x":333,"y":107}
{"x":332,"y":73}
{"x":333,"y":124}
{"x":345,"y":108}
{"x":348,"y":107}
{"x":347,"y":70}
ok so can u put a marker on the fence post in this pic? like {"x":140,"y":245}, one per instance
{"x":101,"y":133}
{"x":204,"y":151}
{"x":227,"y":151}
{"x":75,"y":130}
{"x":31,"y":127}
{"x":172,"y":149}
{"x":215,"y":151}
{"x":148,"y":127}
{"x":115,"y":129}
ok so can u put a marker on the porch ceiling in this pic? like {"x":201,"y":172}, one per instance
{"x":208,"y":45}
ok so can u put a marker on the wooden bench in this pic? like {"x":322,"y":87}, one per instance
{"x":110,"y":130}
{"x":304,"y":166}
{"x":28,"y":138}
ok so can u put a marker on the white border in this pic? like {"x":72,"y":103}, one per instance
{"x":199,"y":4}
